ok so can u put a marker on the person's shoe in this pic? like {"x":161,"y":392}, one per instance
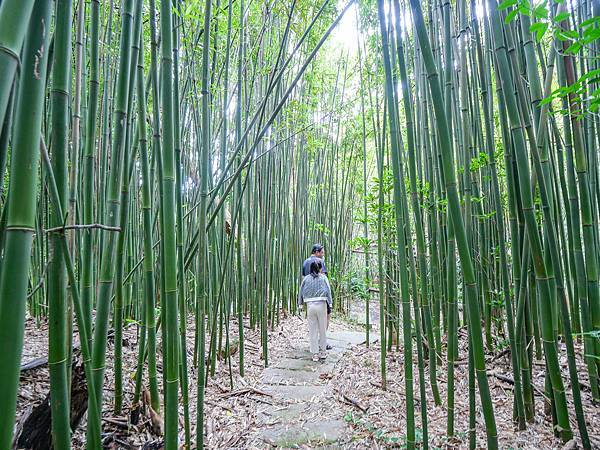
{"x":315,"y":357}
{"x":322,"y":355}
{"x":328,"y":347}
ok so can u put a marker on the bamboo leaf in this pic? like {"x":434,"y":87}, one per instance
{"x":591,"y":21}
{"x":561,"y":16}
{"x":539,"y":28}
{"x":511,"y":16}
{"x":540,"y":12}
{"x":506,"y":4}
{"x":574,"y":48}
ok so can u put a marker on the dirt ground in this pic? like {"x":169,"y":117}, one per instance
{"x":230,"y":410}
{"x":384,"y":421}
{"x":375,"y":418}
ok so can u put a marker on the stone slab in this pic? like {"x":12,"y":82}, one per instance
{"x":289,"y":413}
{"x":347,"y":338}
{"x":298,"y":387}
{"x":314,"y":432}
{"x":297,"y":364}
{"x":297,"y":393}
{"x":299,"y":353}
{"x":309,"y":365}
{"x":274,"y":375}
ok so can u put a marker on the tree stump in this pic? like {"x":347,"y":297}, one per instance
{"x":34,"y":431}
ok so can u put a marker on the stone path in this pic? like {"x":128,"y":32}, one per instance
{"x":300,"y":410}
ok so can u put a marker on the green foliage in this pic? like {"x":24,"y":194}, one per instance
{"x":579,"y":39}
{"x":360,"y":242}
{"x":579,"y":92}
{"x":320,"y":228}
{"x":482,"y":160}
{"x":353,"y":282}
{"x":486,"y":216}
{"x":539,"y":28}
{"x":386,"y":211}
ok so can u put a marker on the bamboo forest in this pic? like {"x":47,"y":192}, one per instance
{"x":299,"y":224}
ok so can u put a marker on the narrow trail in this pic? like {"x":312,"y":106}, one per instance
{"x":298,"y":403}
{"x":302,"y":409}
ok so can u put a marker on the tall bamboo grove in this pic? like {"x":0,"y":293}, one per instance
{"x":166,"y":167}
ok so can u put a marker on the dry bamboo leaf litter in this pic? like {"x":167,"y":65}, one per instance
{"x":232,"y":416}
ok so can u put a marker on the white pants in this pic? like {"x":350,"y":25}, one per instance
{"x":317,"y":325}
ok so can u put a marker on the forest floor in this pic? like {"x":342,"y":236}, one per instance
{"x":297,"y":403}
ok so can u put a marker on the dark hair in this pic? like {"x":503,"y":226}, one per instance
{"x":316,"y":248}
{"x":316,"y":267}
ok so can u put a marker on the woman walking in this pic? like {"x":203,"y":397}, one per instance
{"x":315,"y":292}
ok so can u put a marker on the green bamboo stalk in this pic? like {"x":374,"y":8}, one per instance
{"x":407,"y":328}
{"x":546,"y":295}
{"x":170,"y":328}
{"x":201,"y":276}
{"x":76,"y":117}
{"x":112,"y":214}
{"x":58,"y":353}
{"x":588,"y":216}
{"x":14,"y":20}
{"x":366,"y":224}
{"x":502,"y":239}
{"x":21,"y":211}
{"x":94,"y":439}
{"x":150,"y":311}
{"x":238,"y":136}
{"x":461,"y":237}
{"x":418,"y":220}
{"x":181,"y":285}
{"x":124,"y":218}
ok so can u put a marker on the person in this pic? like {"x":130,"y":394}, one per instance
{"x":315,"y":293}
{"x":317,"y":253}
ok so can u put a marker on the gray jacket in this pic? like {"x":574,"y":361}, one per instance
{"x":315,"y":287}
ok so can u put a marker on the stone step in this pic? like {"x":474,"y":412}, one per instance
{"x":290,"y":413}
{"x":296,"y":393}
{"x":298,"y":386}
{"x":346,"y":338}
{"x":274,"y":375}
{"x":312,"y":432}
